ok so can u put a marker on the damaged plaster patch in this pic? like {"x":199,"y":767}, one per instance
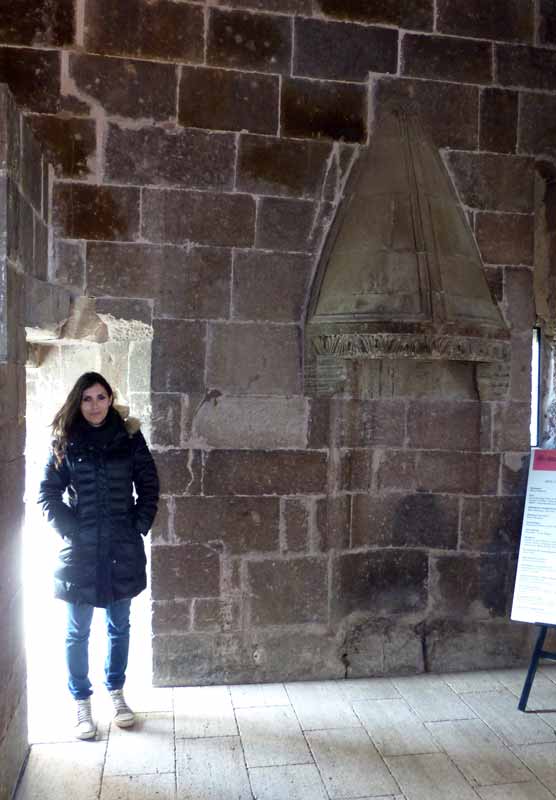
{"x":121,"y":330}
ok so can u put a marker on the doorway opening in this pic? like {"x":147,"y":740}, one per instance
{"x":52,"y":368}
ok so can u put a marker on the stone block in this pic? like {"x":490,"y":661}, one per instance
{"x":316,"y":109}
{"x":536,"y":132}
{"x":137,"y":89}
{"x":511,"y":426}
{"x":186,"y":570}
{"x":270,"y":286}
{"x":510,"y":20}
{"x":495,"y":280}
{"x":125,"y":309}
{"x":178,"y":356}
{"x":255,"y":423}
{"x":171,"y":616}
{"x":69,"y":142}
{"x":491,"y":524}
{"x":547,"y":23}
{"x":47,"y":307}
{"x":515,"y":471}
{"x":240,"y":524}
{"x":33,"y":77}
{"x":38,"y":24}
{"x":519,"y":303}
{"x":520,"y":374}
{"x":381,"y":647}
{"x":283,"y":167}
{"x":457,"y":473}
{"x":455,"y":645}
{"x":385,"y":582}
{"x":179,"y":471}
{"x":447,"y":111}
{"x":240,"y":40}
{"x":296,"y":522}
{"x":166,"y":419}
{"x":212,"y":614}
{"x":180,"y":217}
{"x":405,"y":520}
{"x":530,"y":67}
{"x":448,"y":58}
{"x":288,"y":592}
{"x":253,"y":359}
{"x":448,"y":425}
{"x":333,"y":522}
{"x":492,"y":181}
{"x":164,"y":30}
{"x":464,"y":586}
{"x":498,"y":124}
{"x":162,"y":529}
{"x":40,"y":249}
{"x":505,"y":238}
{"x":226,"y":100}
{"x":175,"y":157}
{"x":278,"y":6}
{"x":404,"y":13}
{"x":31,"y":168}
{"x":284,"y":224}
{"x":364,"y":423}
{"x":342,"y":51}
{"x":88,"y":211}
{"x":282,"y":472}
{"x":357,"y":471}
{"x":69,"y":263}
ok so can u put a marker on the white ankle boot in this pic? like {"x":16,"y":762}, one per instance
{"x":123,"y":716}
{"x":85,"y":728}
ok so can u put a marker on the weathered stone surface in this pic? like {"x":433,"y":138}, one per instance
{"x":211,"y":614}
{"x":249,"y":41}
{"x":490,"y":181}
{"x":405,"y":520}
{"x":279,"y":6}
{"x":357,"y":470}
{"x":381,"y":647}
{"x":296,"y":521}
{"x":512,"y":20}
{"x":251,"y":422}
{"x":187,"y":570}
{"x":315,"y":109}
{"x":240,"y":524}
{"x":162,"y":529}
{"x":357,"y":423}
{"x":69,"y":142}
{"x":253,"y":359}
{"x":511,"y":426}
{"x":284,"y":224}
{"x":178,"y":356}
{"x":464,"y":586}
{"x":447,"y":111}
{"x":448,"y":58}
{"x":31,"y":168}
{"x":179,"y":471}
{"x":333,"y":522}
{"x":180,"y":217}
{"x":171,"y":616}
{"x":164,"y":30}
{"x":505,"y":238}
{"x":499,"y":114}
{"x":281,"y":166}
{"x":166,"y":419}
{"x":536,"y":131}
{"x":518,"y":299}
{"x":49,"y":22}
{"x":515,"y":469}
{"x":457,"y":473}
{"x":405,"y":13}
{"x":270,"y":286}
{"x":533,"y":67}
{"x":341,"y":51}
{"x":495,"y":280}
{"x":87,"y":211}
{"x":288,"y":472}
{"x":124,"y":309}
{"x":288,"y":592}
{"x":33,"y":77}
{"x":387,"y":582}
{"x":184,"y":283}
{"x":190,"y":158}
{"x":476,"y":644}
{"x":520,"y":374}
{"x":127,"y":88}
{"x":225,"y":100}
{"x":491,"y":524}
{"x":547,"y":23}
{"x":396,"y":470}
{"x":448,"y":425}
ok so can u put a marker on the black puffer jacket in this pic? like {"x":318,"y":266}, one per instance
{"x":103,"y":557}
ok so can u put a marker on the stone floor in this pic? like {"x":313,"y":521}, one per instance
{"x":449,"y":737}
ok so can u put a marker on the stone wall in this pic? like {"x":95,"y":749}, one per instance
{"x":200,"y":152}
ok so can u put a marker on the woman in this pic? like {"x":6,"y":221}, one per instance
{"x":99,"y":458}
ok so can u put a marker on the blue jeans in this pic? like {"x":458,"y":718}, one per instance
{"x":77,"y":646}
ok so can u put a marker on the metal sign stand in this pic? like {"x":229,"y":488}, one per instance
{"x":538,"y":653}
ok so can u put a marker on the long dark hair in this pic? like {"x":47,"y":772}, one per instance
{"x":70,"y":413}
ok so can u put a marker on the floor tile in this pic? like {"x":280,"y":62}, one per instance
{"x":146,"y":700}
{"x":263,"y":694}
{"x":499,"y":711}
{"x":139,"y":787}
{"x":320,"y":705}
{"x":541,"y":760}
{"x":516,"y":791}
{"x":368,"y":689}
{"x":271,"y":736}
{"x":482,"y":757}
{"x":299,"y":782}
{"x":430,"y":777}
{"x":56,"y":771}
{"x":394,"y":727}
{"x":480,"y":681}
{"x":349,"y":763}
{"x":146,"y":748}
{"x":432,"y":699}
{"x":211,"y":769}
{"x":543,"y":692}
{"x":204,"y":711}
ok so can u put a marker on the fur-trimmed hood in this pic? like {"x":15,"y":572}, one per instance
{"x":132,"y":424}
